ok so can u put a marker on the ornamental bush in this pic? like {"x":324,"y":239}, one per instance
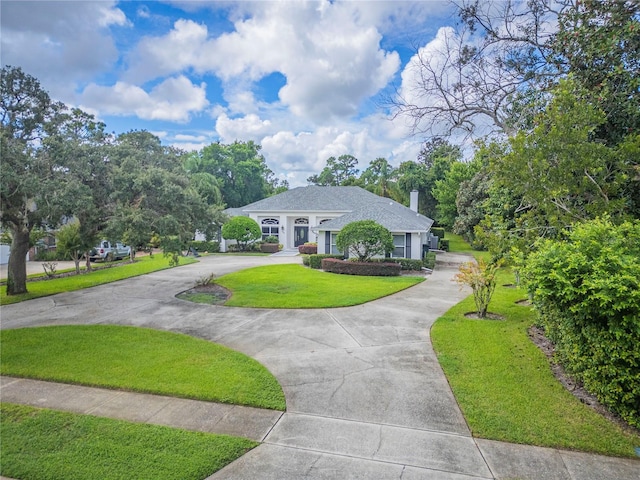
{"x":243,"y":230}
{"x":586,"y":290}
{"x":346,"y":267}
{"x":365,"y":239}
{"x":315,"y":261}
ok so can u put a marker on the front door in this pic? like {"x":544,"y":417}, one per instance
{"x":300,"y":234}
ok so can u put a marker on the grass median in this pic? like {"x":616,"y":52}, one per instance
{"x":295,"y":286}
{"x":43,"y":288}
{"x":505,"y":387}
{"x":139,"y":360}
{"x":41,"y":443}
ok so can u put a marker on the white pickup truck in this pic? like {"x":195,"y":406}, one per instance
{"x":108,"y":251}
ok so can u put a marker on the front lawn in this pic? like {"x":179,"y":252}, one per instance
{"x":43,"y":288}
{"x":46,"y":444}
{"x":139,"y":360}
{"x":295,"y":286}
{"x":504,"y":384}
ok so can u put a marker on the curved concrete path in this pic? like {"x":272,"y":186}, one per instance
{"x":366,"y":397}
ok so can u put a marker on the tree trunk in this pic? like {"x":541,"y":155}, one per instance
{"x":17,"y":268}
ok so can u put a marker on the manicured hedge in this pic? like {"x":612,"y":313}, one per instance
{"x":315,"y":261}
{"x":438,"y":232}
{"x":308,"y":249}
{"x":587,"y":292}
{"x":346,"y":267}
{"x":443,"y":244}
{"x":405,"y":263}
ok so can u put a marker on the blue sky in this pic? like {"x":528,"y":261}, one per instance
{"x":303,"y":79}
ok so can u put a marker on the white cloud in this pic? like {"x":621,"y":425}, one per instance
{"x":250,"y":127}
{"x":331,"y":60}
{"x":175,"y":99}
{"x":61,"y":43}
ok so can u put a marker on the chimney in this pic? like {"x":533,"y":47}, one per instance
{"x":413,"y":201}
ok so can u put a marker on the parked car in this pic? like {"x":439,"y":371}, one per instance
{"x":108,"y":251}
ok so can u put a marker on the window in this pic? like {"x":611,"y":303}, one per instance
{"x":399,"y":246}
{"x":270,"y":228}
{"x":301,"y":221}
{"x":334,"y":248}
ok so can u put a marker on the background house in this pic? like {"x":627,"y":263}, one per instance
{"x":317,"y":214}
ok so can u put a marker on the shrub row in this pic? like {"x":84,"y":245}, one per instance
{"x":438,"y":232}
{"x":209,"y":247}
{"x":315,"y":261}
{"x":405,"y":263}
{"x":346,"y":267}
{"x":308,"y":249}
{"x":587,"y":292}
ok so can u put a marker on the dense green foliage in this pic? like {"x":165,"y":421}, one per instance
{"x":41,"y":443}
{"x":315,"y":260}
{"x":140,"y":360}
{"x":504,"y":385}
{"x":243,"y":230}
{"x":365,"y":239}
{"x":375,"y":269}
{"x":294,"y":286}
{"x":586,"y":289}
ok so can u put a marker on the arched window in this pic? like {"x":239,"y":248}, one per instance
{"x":302,"y":221}
{"x":270,"y":227}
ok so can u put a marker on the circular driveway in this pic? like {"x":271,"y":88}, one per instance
{"x":366,"y":397}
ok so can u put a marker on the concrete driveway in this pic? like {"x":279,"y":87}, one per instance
{"x":366,"y":397}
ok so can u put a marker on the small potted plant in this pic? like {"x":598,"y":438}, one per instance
{"x":270,"y":245}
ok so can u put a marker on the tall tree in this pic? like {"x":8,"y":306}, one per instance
{"x":498,"y":66}
{"x":79,"y":145}
{"x":29,"y":177}
{"x":338,"y":171}
{"x":241,"y":171}
{"x":380,"y":178}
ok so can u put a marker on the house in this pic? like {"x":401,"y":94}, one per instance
{"x":317,"y":214}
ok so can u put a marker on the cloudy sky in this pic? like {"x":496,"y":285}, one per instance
{"x":306,"y":80}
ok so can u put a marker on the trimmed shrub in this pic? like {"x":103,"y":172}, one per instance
{"x":315,"y":261}
{"x":306,"y":260}
{"x":364,"y":239}
{"x":210,"y":247}
{"x":429,"y":260}
{"x":346,"y":267}
{"x":443,"y":244}
{"x":271,"y":239}
{"x":244,"y":230}
{"x":438,"y":232}
{"x":586,"y":290}
{"x":308,"y":248}
{"x":405,"y":263}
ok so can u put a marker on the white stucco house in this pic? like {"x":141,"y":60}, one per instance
{"x":317,"y":214}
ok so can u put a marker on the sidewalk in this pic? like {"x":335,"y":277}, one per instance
{"x":251,"y":423}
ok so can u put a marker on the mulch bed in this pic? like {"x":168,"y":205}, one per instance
{"x":490,"y":316}
{"x":536,"y":334}
{"x":218,"y":293}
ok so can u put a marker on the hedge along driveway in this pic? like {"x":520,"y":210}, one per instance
{"x":294,"y":286}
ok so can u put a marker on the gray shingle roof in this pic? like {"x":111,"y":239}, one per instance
{"x":314,"y":198}
{"x":392,"y":215}
{"x":356,"y":203}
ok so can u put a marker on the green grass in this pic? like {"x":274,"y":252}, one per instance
{"x":457,"y":244}
{"x":45,"y":444}
{"x":139,"y":360}
{"x":44,"y":288}
{"x":295,"y":286}
{"x":505,"y":387}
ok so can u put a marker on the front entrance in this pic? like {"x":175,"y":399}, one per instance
{"x":300,"y":235}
